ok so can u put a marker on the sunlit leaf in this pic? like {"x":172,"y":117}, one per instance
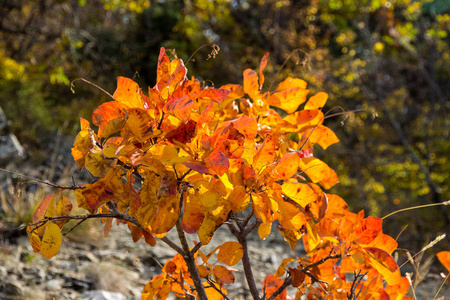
{"x":217,"y":162}
{"x":317,"y":135}
{"x":444,"y":258}
{"x":230,"y":253}
{"x":211,"y":293}
{"x":206,"y":230}
{"x":282,"y":268}
{"x":286,"y":167}
{"x":128,"y":93}
{"x":262,"y":66}
{"x":265,"y":155}
{"x":193,"y":214}
{"x":299,"y":192}
{"x":317,"y":101}
{"x":271,"y":285}
{"x":110,"y":117}
{"x":168,"y":214}
{"x":319,"y":172}
{"x":138,"y":125}
{"x":223,"y":274}
{"x":288,"y":100}
{"x":385,"y":264}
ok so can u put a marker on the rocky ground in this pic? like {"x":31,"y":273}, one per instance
{"x":90,"y":266}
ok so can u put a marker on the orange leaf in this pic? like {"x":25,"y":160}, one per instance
{"x":317,"y":101}
{"x":193,"y":214}
{"x":149,"y":239}
{"x":211,"y":293}
{"x":290,"y":83}
{"x":84,"y":142}
{"x":63,"y":207}
{"x":271,"y":285}
{"x":262,"y":66}
{"x":35,"y":240}
{"x":282,"y":268}
{"x":236,"y":91}
{"x":251,"y":86}
{"x":139,"y":125}
{"x":444,"y":258}
{"x":206,"y":230}
{"x":320,"y":134}
{"x":168,"y":214}
{"x":169,"y":267}
{"x":152,"y":288}
{"x":298,"y":277}
{"x":265,"y":155}
{"x":217,"y":162}
{"x":128,"y":93}
{"x":288,"y":100}
{"x":301,"y":193}
{"x":230,"y":253}
{"x":287,"y":166}
{"x":264,"y":230}
{"x":238,"y":198}
{"x":217,"y":95}
{"x":319,"y":172}
{"x":223,"y":274}
{"x":110,"y":117}
{"x":149,"y":201}
{"x":385,"y":264}
{"x":98,"y":193}
{"x":180,"y":107}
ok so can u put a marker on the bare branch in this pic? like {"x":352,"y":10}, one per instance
{"x":73,"y":187}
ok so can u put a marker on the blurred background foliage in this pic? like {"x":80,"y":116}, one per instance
{"x":388,"y":60}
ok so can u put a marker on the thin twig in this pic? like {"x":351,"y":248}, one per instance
{"x":91,"y":83}
{"x":73,"y":187}
{"x":211,"y":284}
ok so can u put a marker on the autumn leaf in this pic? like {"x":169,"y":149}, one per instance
{"x":282,"y":268}
{"x":223,"y":274}
{"x":128,"y":93}
{"x":193,"y":214}
{"x":317,"y":101}
{"x":444,"y":258}
{"x":230,"y":253}
{"x":385,"y":264}
{"x":51,"y":241}
{"x":271,"y":285}
{"x":319,"y":172}
{"x":110,"y":117}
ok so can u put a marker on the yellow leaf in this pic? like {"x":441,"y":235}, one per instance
{"x":51,"y":241}
{"x":211,"y":293}
{"x":264,"y":230}
{"x":282,"y":268}
{"x":317,"y":101}
{"x":301,"y":193}
{"x":239,"y":199}
{"x":34,"y":240}
{"x":319,"y":172}
{"x":230,"y":253}
{"x":313,"y":236}
{"x":206,"y":230}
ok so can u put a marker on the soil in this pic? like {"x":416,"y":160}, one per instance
{"x":89,"y":266}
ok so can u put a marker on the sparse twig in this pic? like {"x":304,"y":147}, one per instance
{"x":72,"y":187}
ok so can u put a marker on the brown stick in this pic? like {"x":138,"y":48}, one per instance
{"x":190,"y":261}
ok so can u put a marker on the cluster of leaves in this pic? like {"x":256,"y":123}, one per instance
{"x":197,"y":158}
